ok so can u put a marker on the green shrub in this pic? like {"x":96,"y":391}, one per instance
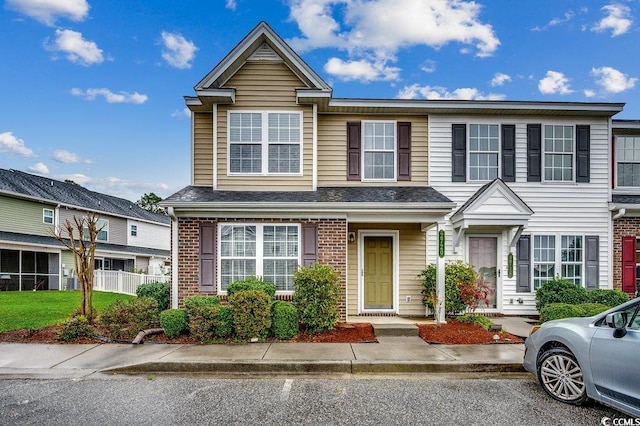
{"x":316,"y":297}
{"x":456,"y":274}
{"x":480,"y":320}
{"x":192,"y":302}
{"x":610,"y":298}
{"x":75,"y":328}
{"x":252,"y":283}
{"x":161,"y":292}
{"x":174,"y":322}
{"x":565,"y":310}
{"x":285,"y":320}
{"x":251,"y":313}
{"x":204,"y":321}
{"x":125,"y":319}
{"x":559,"y":290}
{"x":224,"y":327}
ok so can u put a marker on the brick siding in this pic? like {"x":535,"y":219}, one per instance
{"x":625,"y":226}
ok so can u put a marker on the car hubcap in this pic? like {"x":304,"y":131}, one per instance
{"x":562,"y":377}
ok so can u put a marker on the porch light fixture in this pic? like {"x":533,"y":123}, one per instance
{"x":352,"y":237}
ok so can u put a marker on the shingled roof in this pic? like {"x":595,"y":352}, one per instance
{"x":26,"y":185}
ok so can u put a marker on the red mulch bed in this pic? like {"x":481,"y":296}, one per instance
{"x":460,"y":333}
{"x":452,"y":333}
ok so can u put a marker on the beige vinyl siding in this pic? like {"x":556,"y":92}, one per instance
{"x":559,"y":208}
{"x":23,"y":216}
{"x":412,"y":252}
{"x":142,"y":264}
{"x":117,"y":226}
{"x":266,"y":86}
{"x":332,"y":149}
{"x":203,"y":148}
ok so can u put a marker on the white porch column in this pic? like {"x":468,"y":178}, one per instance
{"x":440,"y":263}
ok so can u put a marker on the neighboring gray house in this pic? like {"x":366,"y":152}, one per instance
{"x":33,"y":207}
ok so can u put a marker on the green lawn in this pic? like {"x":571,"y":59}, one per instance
{"x":37,"y":309}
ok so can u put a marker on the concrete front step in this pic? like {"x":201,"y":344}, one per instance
{"x":395,"y":329}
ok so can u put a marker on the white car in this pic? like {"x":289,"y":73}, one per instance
{"x":598,"y":357}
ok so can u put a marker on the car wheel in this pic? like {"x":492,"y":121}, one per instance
{"x":561,"y":376}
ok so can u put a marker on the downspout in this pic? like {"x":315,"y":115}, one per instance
{"x":618,"y":215}
{"x":174,"y":257}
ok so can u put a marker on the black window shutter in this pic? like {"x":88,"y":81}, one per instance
{"x":583,"y":148}
{"x":509,"y":152}
{"x":523,"y":264}
{"x":207,"y":281}
{"x":592,"y":262}
{"x":353,"y":150}
{"x":309,"y":244}
{"x":534,"y":152}
{"x":459,"y":153}
{"x":404,"y":151}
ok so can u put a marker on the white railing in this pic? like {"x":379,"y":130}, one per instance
{"x":123,"y":282}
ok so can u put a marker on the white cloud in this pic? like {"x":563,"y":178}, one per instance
{"x":428,"y":66}
{"x":379,"y":29}
{"x":554,"y":83}
{"x":67,"y":157}
{"x":612,"y":80}
{"x":110,"y":97}
{"x":230,"y":4}
{"x":617,"y":19}
{"x":415,"y":91}
{"x":180,"y":114}
{"x":589,"y":93}
{"x":39,"y":168}
{"x":48,"y":11}
{"x":178,"y":51}
{"x":131,"y":190}
{"x":566,"y":18}
{"x":10,"y":143}
{"x":77,"y":49}
{"x":499,"y":79}
{"x":361,"y":70}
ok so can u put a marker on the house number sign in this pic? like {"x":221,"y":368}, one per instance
{"x":441,"y":243}
{"x":510,"y":265}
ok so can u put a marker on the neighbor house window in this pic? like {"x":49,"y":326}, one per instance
{"x":484,"y":151}
{"x":628,"y":161}
{"x":549,"y":260}
{"x":558,"y":153}
{"x":379,"y":150}
{"x":103,"y":230}
{"x":134,"y":230}
{"x":47,"y":216}
{"x":269,"y":251}
{"x":268,"y":143}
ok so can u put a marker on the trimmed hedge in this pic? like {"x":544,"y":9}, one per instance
{"x":161,"y":292}
{"x":125,"y":319}
{"x":174,"y":322}
{"x":317,"y":296}
{"x":224,"y":327}
{"x":251,"y":313}
{"x":285,"y":320}
{"x":610,"y":298}
{"x":75,"y":328}
{"x":252,"y":283}
{"x":559,"y":290}
{"x":479,"y":320}
{"x":204,"y":321}
{"x":565,"y":310}
{"x":192,"y":302}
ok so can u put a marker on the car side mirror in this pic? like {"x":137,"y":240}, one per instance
{"x":618,"y":321}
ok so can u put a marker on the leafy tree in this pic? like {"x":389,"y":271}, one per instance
{"x":150,"y":202}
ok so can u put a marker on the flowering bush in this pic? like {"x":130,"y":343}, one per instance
{"x":474,"y":293}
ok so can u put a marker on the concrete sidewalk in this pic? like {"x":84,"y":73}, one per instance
{"x":390,"y":355}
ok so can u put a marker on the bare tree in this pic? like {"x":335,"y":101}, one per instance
{"x":80,"y":238}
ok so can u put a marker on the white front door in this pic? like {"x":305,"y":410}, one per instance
{"x":483,"y":255}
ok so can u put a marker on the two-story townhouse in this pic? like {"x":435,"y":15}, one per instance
{"x":625,"y":205}
{"x":283,"y":174}
{"x":33,"y":208}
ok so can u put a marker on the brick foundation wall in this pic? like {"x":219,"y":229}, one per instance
{"x":625,"y":226}
{"x":332,"y":250}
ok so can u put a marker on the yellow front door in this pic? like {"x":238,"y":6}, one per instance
{"x":378,"y":273}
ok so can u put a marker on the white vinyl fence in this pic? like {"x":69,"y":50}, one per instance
{"x":123,"y":282}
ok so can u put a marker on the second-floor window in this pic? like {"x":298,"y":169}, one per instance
{"x":628,"y":161}
{"x":265,"y":142}
{"x":47,"y":216}
{"x":103,"y":230}
{"x":379,"y":150}
{"x":134,"y":230}
{"x":484,"y":151}
{"x":558,"y":153}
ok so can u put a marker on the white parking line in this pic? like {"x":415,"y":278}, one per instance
{"x":286,"y":389}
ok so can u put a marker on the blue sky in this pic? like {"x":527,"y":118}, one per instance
{"x":93,"y":90}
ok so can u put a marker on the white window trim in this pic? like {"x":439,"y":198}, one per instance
{"x":264,"y":142}
{"x":544,"y":154}
{"x":468,"y":150}
{"x":259,"y":249}
{"x":395,"y":236}
{"x":558,"y":255}
{"x":45,"y":217}
{"x":617,"y":188}
{"x":395,"y":151}
{"x":131,"y":230}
